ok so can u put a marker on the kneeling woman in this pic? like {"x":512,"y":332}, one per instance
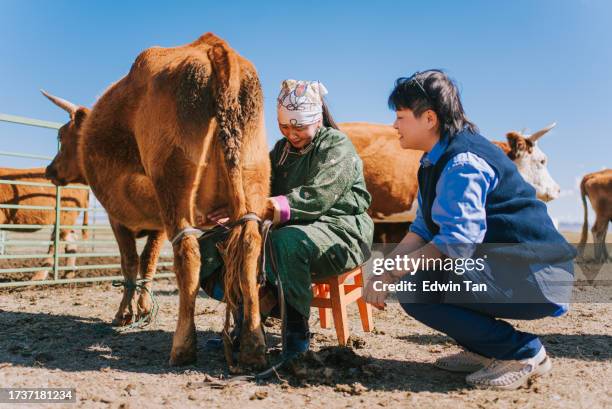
{"x":473,"y":203}
{"x":319,"y":205}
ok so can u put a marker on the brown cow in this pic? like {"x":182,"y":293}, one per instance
{"x":391,"y":173}
{"x":598,"y":187}
{"x":181,"y":134}
{"x":41,"y":196}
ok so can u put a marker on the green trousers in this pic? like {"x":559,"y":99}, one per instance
{"x":301,"y":251}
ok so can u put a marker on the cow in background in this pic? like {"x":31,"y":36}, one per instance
{"x":531,"y":162}
{"x":27,"y":195}
{"x":597,"y":186}
{"x":391,"y":173}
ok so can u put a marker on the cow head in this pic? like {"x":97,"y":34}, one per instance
{"x":532,"y":162}
{"x":65,"y":167}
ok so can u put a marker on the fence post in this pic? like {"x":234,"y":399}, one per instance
{"x":58,"y":205}
{"x":93,"y":222}
{"x":2,"y":241}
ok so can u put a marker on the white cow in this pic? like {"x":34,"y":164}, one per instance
{"x":531,"y":161}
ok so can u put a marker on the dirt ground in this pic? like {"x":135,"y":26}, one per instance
{"x":59,"y":336}
{"x":82,"y":261}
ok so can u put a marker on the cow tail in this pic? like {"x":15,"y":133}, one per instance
{"x":585,"y":222}
{"x":228,"y":114}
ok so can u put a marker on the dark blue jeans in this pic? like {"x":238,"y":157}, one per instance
{"x":473,"y":319}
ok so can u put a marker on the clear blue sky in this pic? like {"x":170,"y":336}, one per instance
{"x":520,"y":64}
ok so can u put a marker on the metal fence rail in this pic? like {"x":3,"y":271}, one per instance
{"x":14,"y":237}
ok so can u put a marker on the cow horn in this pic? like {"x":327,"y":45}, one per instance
{"x":537,"y":135}
{"x":60,"y":102}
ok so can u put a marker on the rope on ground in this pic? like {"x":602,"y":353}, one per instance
{"x":139,"y":287}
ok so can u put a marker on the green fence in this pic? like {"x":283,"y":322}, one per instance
{"x":19,"y":242}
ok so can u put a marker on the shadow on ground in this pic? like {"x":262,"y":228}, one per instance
{"x":72,"y":343}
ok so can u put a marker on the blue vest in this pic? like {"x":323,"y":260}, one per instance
{"x":514,"y":214}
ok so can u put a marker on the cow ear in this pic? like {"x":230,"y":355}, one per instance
{"x":518,"y":144}
{"x":79,"y":116}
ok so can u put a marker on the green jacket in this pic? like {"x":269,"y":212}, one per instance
{"x":328,"y":230}
{"x":324,"y":182}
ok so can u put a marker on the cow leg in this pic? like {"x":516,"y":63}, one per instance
{"x":129,"y":268}
{"x":48,"y":262}
{"x":70,"y":248}
{"x":148,"y":266}
{"x":252,"y":340}
{"x":174,"y":184}
{"x":389,"y":233}
{"x":186,"y":266}
{"x":41,"y":274}
{"x":65,"y":235}
{"x":599,"y":231}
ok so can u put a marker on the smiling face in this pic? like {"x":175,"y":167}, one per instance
{"x":299,"y":135}
{"x":420,"y":132}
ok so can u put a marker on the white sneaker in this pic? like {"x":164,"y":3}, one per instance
{"x":510,"y":374}
{"x":464,"y":361}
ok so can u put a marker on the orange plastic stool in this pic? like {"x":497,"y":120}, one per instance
{"x":336,"y":294}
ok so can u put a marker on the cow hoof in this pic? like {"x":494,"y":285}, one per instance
{"x":40,"y":275}
{"x":252,"y":350}
{"x":122,"y":321}
{"x":144,"y":306}
{"x":180,"y":357}
{"x":145,"y":317}
{"x":184,"y":349}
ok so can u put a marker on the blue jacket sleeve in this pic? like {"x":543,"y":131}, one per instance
{"x":459,"y":207}
{"x":418,"y":226}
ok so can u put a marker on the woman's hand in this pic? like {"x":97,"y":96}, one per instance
{"x":377,"y":297}
{"x":219,"y":215}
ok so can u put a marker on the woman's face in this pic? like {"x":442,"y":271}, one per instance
{"x":417,"y":133}
{"x":299,"y":135}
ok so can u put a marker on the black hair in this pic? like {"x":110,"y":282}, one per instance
{"x":434,"y":90}
{"x":328,"y":119}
